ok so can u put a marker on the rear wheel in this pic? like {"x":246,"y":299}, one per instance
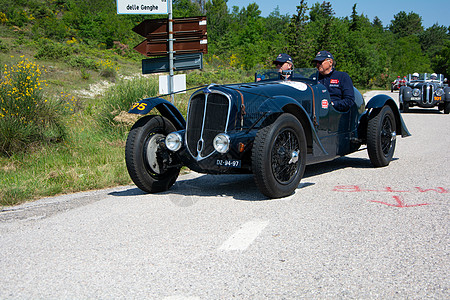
{"x":151,"y":166}
{"x":381,"y":137}
{"x":279,"y":157}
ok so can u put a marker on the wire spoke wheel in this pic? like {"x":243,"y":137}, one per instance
{"x":279,"y":156}
{"x":386,"y":133}
{"x":284,"y":157}
{"x":381,"y":137}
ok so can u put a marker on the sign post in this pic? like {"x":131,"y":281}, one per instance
{"x":172,"y":96}
{"x":189,"y":36}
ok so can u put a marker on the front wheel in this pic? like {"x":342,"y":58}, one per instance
{"x":151,"y":166}
{"x":381,"y":137}
{"x":405,"y":106}
{"x":447,"y":107}
{"x":279,"y":157}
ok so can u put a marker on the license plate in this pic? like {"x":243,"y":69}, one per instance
{"x":230,"y":163}
{"x":415,"y":98}
{"x":436,"y":98}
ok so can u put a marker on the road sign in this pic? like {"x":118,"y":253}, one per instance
{"x":169,"y":37}
{"x":179,"y":84}
{"x":182,"y":62}
{"x":180,"y":46}
{"x":189,"y":36}
{"x":142,"y":7}
{"x":149,"y":27}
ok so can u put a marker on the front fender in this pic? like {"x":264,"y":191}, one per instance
{"x":377,"y":102}
{"x":166,"y":108}
{"x":285,"y":104}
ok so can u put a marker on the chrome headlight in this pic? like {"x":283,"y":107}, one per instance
{"x":416,"y":92}
{"x":174,"y":141}
{"x":439,"y":92}
{"x":222,"y":143}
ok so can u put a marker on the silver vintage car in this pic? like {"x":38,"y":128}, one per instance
{"x":426,"y":91}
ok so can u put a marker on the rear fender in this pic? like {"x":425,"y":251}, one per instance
{"x":166,"y":108}
{"x":282,"y":104}
{"x":377,"y":102}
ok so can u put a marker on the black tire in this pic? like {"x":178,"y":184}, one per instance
{"x":381,"y":137}
{"x":447,"y":107}
{"x":279,"y":157}
{"x":400,"y":100}
{"x":151,"y":166}
{"x":405,"y":106}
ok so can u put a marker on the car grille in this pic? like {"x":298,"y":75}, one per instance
{"x":207,"y":116}
{"x":427,"y":94}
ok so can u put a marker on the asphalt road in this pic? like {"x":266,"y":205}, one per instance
{"x":349,"y":231}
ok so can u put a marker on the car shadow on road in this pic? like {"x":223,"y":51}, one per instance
{"x":426,"y":111}
{"x":337,"y":164}
{"x":188,"y":189}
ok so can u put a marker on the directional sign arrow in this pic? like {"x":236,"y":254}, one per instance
{"x":181,"y":46}
{"x":155,"y":26}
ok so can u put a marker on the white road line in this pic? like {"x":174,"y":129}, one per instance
{"x":244,"y":236}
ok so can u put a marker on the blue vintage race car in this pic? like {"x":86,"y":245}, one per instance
{"x":272,"y":128}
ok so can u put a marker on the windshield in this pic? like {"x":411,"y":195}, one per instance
{"x":415,"y":78}
{"x":296,"y":74}
{"x":426,"y":77}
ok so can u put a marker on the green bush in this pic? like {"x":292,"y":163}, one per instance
{"x":26,"y":117}
{"x":52,"y":50}
{"x":3,"y":47}
{"x":119,"y":99}
{"x":81,"y":61}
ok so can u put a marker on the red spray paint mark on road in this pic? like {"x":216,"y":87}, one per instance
{"x":400,"y":203}
{"x":387,"y":189}
{"x":439,"y":190}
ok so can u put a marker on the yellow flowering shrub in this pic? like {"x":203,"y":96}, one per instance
{"x":107,"y":68}
{"x":25,"y":115}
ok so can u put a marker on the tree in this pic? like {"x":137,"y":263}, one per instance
{"x":300,"y":45}
{"x":377,"y":23}
{"x":441,"y":61}
{"x":354,"y":18}
{"x":406,"y":24}
{"x":218,"y":19}
{"x":407,"y":57}
{"x":186,"y":8}
{"x":322,"y":16}
{"x":433,"y":39}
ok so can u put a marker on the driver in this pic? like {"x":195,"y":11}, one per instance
{"x":283,"y":62}
{"x":415,"y":76}
{"x":338,"y":84}
{"x":433,"y":76}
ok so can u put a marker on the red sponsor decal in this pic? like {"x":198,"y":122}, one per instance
{"x":334,"y":81}
{"x":324,"y":103}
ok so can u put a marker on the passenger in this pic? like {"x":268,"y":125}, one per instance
{"x":283,"y":62}
{"x":415,"y":76}
{"x":339,"y":84}
{"x":433,"y":76}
